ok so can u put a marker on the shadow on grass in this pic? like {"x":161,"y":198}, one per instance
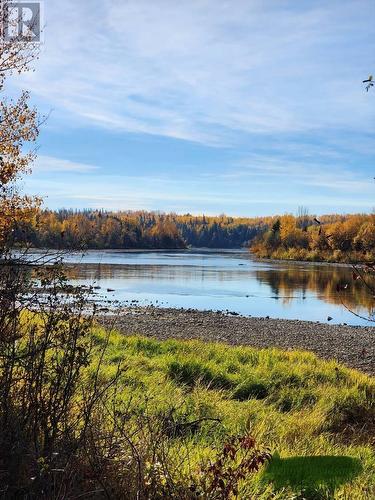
{"x":312,"y":474}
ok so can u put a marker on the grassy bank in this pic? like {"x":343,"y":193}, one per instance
{"x":306,"y":255}
{"x":313,"y":415}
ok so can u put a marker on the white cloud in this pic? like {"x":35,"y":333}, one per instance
{"x":278,"y":172}
{"x":205,"y":70}
{"x":280,"y":82}
{"x":259,"y":196}
{"x":49,"y":164}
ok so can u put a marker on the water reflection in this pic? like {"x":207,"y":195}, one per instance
{"x":322,"y":281}
{"x":228,"y":280}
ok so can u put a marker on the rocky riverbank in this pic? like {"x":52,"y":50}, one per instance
{"x":352,"y":346}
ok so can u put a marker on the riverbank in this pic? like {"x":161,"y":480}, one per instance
{"x":185,"y":401}
{"x":352,"y":346}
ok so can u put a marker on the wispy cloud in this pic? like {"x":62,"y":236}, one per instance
{"x":260,"y":196}
{"x":262,"y":169}
{"x":254,"y":103}
{"x":206,"y":70}
{"x":49,"y":164}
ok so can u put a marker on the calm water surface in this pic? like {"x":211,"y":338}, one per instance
{"x":223,"y":280}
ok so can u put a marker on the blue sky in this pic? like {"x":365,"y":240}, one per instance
{"x":243,"y":107}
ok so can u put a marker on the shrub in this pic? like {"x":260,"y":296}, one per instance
{"x":46,"y":403}
{"x":239,"y":457}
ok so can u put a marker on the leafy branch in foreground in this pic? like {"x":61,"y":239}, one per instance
{"x":238,"y":458}
{"x":19,"y":126}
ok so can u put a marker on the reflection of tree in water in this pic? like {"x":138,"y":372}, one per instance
{"x":285,"y":283}
{"x":324,"y":282}
{"x":96,"y":272}
{"x":92,"y":272}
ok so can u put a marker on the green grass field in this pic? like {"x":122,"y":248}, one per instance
{"x":316,"y":417}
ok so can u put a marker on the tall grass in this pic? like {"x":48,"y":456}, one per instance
{"x":292,"y":402}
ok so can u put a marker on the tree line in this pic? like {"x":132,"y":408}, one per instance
{"x":334,"y":238}
{"x":95,"y":229}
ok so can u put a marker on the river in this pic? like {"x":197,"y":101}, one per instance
{"x":226,"y":280}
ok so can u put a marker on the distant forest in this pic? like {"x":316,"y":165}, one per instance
{"x":303,"y":237}
{"x":94,"y":229}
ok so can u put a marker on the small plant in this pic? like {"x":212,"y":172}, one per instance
{"x":238,"y":458}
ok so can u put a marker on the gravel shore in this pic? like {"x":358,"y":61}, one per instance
{"x":352,"y":346}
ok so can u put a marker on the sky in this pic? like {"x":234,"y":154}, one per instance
{"x":242,"y":107}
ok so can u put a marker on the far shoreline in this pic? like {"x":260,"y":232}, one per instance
{"x":244,"y":250}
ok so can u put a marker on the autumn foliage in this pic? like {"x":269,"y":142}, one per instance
{"x":19,"y":126}
{"x":334,"y":238}
{"x":239,"y":458}
{"x":100,"y":229}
